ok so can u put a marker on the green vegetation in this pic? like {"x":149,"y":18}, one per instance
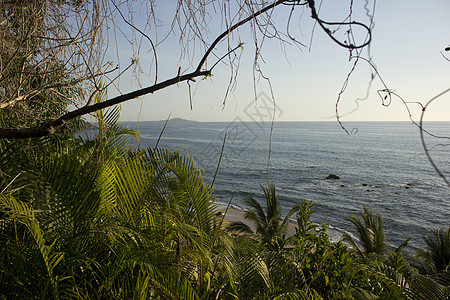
{"x":91,"y":218}
{"x":270,"y":229}
{"x":88,"y":217}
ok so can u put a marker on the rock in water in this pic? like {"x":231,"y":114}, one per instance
{"x":333,"y":176}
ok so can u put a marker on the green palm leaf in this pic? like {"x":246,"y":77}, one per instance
{"x":47,"y":260}
{"x":370,"y":232}
{"x":270,"y":227}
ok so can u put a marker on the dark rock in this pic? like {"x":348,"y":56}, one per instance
{"x":364,"y":184}
{"x":332,"y":176}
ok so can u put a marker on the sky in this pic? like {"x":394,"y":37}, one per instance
{"x":407,"y":40}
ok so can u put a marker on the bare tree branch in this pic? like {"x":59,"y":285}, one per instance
{"x":50,"y":127}
{"x":68,"y":49}
{"x":422,"y":138}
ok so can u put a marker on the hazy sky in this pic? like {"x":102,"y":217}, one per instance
{"x":408,"y":39}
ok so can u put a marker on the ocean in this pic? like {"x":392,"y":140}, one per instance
{"x":381,"y":164}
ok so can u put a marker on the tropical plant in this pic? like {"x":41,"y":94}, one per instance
{"x":394,"y":276}
{"x":404,"y":281}
{"x":328,"y":268}
{"x":311,"y":267}
{"x":93,"y":219}
{"x":270,"y":228}
{"x":434,"y":259}
{"x":370,"y":233}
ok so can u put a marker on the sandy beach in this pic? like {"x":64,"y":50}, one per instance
{"x":234,"y":215}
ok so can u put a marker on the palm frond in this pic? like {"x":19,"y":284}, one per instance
{"x":47,"y":259}
{"x":286,"y":220}
{"x":371,"y":232}
{"x":239,"y":227}
{"x":299,"y":295}
{"x":424,"y":287}
{"x":256,"y":214}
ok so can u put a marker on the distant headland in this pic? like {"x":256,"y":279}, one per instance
{"x":171,"y":121}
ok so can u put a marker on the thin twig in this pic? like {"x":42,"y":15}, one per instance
{"x":162,"y":131}
{"x":220,"y":159}
{"x":4,"y":189}
{"x":423,"y":139}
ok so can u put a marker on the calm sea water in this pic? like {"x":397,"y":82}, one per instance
{"x":383,"y":165}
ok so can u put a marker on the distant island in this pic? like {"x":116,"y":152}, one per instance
{"x":171,"y":121}
{"x":180,"y":120}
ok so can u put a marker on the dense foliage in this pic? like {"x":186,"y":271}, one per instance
{"x":84,"y":216}
{"x":91,"y":218}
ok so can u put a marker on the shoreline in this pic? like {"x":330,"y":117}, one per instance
{"x":235,"y":214}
